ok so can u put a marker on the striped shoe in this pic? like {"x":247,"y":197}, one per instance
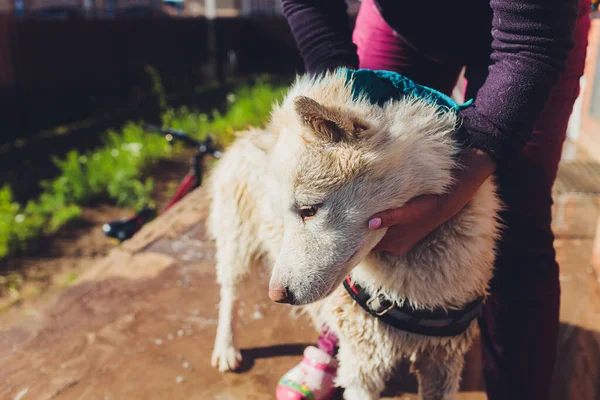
{"x":312,"y":379}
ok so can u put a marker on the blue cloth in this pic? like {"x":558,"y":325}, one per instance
{"x":381,"y":86}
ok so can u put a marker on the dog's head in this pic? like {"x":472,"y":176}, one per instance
{"x":339,"y":160}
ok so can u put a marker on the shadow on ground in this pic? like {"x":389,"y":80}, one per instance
{"x":140,"y":324}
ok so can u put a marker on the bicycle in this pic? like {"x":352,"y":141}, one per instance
{"x":124,"y":229}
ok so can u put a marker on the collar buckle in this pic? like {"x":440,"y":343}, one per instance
{"x":381,"y":306}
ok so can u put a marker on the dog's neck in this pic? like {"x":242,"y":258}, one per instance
{"x":448,"y":268}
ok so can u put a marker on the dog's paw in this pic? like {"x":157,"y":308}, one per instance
{"x":359,"y":393}
{"x":226,"y":357}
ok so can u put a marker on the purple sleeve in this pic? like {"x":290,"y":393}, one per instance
{"x":531,"y":42}
{"x":322,"y":32}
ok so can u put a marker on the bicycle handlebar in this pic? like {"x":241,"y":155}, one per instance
{"x":125,"y":229}
{"x":172,"y":134}
{"x":205,"y":146}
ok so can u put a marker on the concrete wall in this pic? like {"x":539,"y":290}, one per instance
{"x":589,"y":132}
{"x":34,"y":5}
{"x":226,"y":4}
{"x":6,"y":6}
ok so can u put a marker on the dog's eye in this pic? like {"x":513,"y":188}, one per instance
{"x":307,"y":212}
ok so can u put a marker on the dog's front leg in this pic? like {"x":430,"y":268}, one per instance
{"x":439,"y":374}
{"x":363,"y":376}
{"x":225,"y":355}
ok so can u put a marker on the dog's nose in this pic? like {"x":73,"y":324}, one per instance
{"x":279,"y":294}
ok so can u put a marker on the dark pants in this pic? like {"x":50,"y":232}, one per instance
{"x":520,"y":322}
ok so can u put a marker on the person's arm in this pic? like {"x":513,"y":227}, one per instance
{"x":531,"y":42}
{"x":321,"y":30}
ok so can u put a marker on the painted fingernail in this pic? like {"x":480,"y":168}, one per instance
{"x":374,"y":223}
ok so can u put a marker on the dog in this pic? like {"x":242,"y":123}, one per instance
{"x":297,"y":196}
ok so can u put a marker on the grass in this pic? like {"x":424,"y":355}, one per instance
{"x":115,"y":172}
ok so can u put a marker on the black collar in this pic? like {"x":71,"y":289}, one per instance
{"x":438,"y":322}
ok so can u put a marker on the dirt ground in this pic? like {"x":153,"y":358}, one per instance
{"x":98,"y":321}
{"x":140,"y":323}
{"x":59,"y":260}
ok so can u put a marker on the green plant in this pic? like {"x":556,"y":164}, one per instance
{"x":249,"y":105}
{"x":19,"y":225}
{"x":157,"y":87}
{"x":11,"y":283}
{"x":114,"y":172}
{"x":8,"y":212}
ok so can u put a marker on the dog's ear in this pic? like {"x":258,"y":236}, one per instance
{"x":327,"y":124}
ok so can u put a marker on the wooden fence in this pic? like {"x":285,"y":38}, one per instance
{"x":55,"y":72}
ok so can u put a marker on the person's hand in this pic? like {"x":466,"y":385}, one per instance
{"x":421,"y":215}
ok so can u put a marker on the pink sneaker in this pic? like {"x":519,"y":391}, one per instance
{"x":311,"y":379}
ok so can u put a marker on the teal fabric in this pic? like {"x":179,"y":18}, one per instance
{"x":381,"y":86}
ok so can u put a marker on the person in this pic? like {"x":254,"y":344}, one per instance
{"x":522,"y":63}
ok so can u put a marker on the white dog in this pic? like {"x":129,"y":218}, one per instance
{"x":299,"y":196}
